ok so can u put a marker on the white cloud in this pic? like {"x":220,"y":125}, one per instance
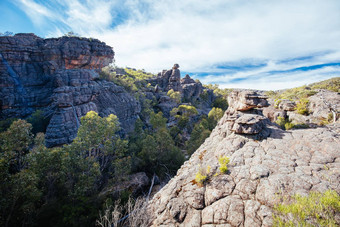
{"x":199,"y":35}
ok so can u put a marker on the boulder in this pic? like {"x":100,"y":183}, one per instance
{"x":242,"y":100}
{"x":286,"y":105}
{"x":322,"y":104}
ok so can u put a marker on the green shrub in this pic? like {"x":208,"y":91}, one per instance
{"x":39,"y":122}
{"x":316,"y":209}
{"x":202,"y":175}
{"x":174,"y":95}
{"x":221,"y":103}
{"x":301,"y":106}
{"x":285,"y":124}
{"x":223,"y":160}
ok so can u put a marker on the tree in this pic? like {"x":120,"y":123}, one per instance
{"x":15,"y":142}
{"x":158,"y":121}
{"x":18,"y":189}
{"x":214,"y":116}
{"x":174,"y":95}
{"x":198,"y":135}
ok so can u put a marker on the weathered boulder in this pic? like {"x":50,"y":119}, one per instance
{"x":243,"y":100}
{"x":259,"y":172}
{"x":286,"y":105}
{"x":324,"y":103}
{"x":60,"y":76}
{"x":273,"y":114}
{"x":242,"y":118}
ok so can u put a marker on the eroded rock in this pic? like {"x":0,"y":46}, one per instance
{"x":259,"y":172}
{"x":60,"y":77}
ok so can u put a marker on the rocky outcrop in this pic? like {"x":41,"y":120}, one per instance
{"x":242,"y":118}
{"x":324,"y":103}
{"x":322,"y":107}
{"x":60,"y":76}
{"x":191,"y":90}
{"x":260,"y":171}
{"x":168,"y":79}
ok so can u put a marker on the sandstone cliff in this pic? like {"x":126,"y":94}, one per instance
{"x":60,"y":76}
{"x":265,"y":162}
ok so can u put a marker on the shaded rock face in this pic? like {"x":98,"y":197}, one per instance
{"x":285,"y":162}
{"x":60,"y":76}
{"x":191,"y":89}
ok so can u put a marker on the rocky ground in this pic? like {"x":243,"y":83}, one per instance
{"x":266,"y":163}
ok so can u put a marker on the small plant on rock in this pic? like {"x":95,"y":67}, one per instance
{"x":223,"y":160}
{"x":202,"y":175}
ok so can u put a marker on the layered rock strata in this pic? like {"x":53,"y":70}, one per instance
{"x":260,"y":171}
{"x":60,"y":76}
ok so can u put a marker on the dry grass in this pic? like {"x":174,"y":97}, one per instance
{"x":133,"y":213}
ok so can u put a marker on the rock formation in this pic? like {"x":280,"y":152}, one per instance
{"x":191,"y":89}
{"x":320,"y":106}
{"x":265,"y":163}
{"x":60,"y":76}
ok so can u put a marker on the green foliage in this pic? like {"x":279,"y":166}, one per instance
{"x":214,"y":116}
{"x":306,"y":91}
{"x":174,"y":95}
{"x":38,"y":121}
{"x":204,"y":95}
{"x":131,"y":79}
{"x":198,"y":135}
{"x":285,"y":123}
{"x":201,"y":175}
{"x":4,"y":124}
{"x":316,"y":209}
{"x":158,"y":121}
{"x":223,"y":161}
{"x":332,"y":84}
{"x":218,"y":91}
{"x":18,"y":188}
{"x":184,"y":110}
{"x":221,"y":103}
{"x":302,"y":106}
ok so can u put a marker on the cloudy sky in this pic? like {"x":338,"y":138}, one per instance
{"x":257,"y":44}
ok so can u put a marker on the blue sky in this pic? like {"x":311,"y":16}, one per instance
{"x":256,"y":44}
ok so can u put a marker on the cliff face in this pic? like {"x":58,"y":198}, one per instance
{"x":60,"y":76}
{"x":264,"y":161}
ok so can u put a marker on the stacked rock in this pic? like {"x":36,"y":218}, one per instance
{"x":243,"y":115}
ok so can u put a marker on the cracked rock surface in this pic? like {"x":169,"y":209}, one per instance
{"x":284,"y":163}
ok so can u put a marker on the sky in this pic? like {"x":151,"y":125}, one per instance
{"x":258,"y":44}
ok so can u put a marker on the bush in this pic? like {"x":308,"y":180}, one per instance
{"x":220,"y":103}
{"x":284,"y":123}
{"x":316,"y":209}
{"x":201,"y":175}
{"x":39,"y":122}
{"x":301,"y":106}
{"x":175,"y":95}
{"x":223,"y":164}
